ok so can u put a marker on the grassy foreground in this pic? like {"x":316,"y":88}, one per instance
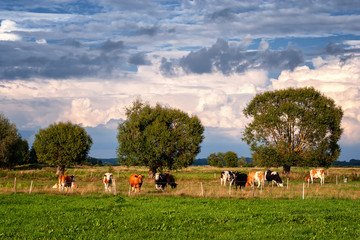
{"x":42,"y":216}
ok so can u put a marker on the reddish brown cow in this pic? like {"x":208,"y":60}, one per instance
{"x":66,"y":181}
{"x":136,"y":181}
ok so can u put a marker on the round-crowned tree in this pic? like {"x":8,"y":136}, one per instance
{"x":62,"y":145}
{"x":158,"y":137}
{"x":293,"y":127}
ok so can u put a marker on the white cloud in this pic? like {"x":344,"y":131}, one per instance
{"x":336,"y":79}
{"x":6,"y":29}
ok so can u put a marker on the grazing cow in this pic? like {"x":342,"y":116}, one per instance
{"x":272,"y":176}
{"x":107,"y":180}
{"x":227,"y":176}
{"x":240,"y":180}
{"x":316,"y":173}
{"x":66,"y":181}
{"x":136,"y":180}
{"x":255,"y":177}
{"x":164,"y":179}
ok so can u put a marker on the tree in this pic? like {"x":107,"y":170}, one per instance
{"x":13,"y":149}
{"x":62,"y":145}
{"x":293,"y":127}
{"x":242,"y":161}
{"x":158,"y":137}
{"x":231,"y":159}
{"x":216,"y":160}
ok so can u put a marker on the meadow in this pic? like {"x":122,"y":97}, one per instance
{"x":199,"y":208}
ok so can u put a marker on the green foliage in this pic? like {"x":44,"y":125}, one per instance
{"x":13,"y":149}
{"x":158,"y":137}
{"x":231,"y":159}
{"x":294,"y":127}
{"x":242,"y":161}
{"x":216,"y":160}
{"x":62,"y":144}
{"x":41,"y":216}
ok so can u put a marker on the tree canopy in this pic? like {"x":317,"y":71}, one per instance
{"x":158,"y":137}
{"x":216,"y":159}
{"x":293,"y":127}
{"x":62,"y":145}
{"x":13,"y":149}
{"x":231,"y":159}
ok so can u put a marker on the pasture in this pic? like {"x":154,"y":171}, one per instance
{"x":198,"y":208}
{"x":193,"y":182}
{"x":43,"y":216}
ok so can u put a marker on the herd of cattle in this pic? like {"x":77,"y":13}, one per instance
{"x":236,"y":178}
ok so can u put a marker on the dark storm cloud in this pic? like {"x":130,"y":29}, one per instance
{"x":224,"y":14}
{"x":150,"y":31}
{"x":167,"y":68}
{"x":109,"y":46}
{"x":31,"y":60}
{"x":229,"y":59}
{"x":138,"y":59}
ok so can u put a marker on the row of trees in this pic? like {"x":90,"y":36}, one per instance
{"x":290,"y":127}
{"x":229,"y":159}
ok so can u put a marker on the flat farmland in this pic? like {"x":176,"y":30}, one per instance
{"x":199,"y":208}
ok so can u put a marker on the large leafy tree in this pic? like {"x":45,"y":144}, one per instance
{"x":293,"y":127}
{"x":13,"y":149}
{"x":62,"y":145}
{"x":216,"y":159}
{"x":158,"y":137}
{"x":231,"y":159}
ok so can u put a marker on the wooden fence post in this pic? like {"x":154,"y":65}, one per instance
{"x":336,"y":180}
{"x":114,"y":187}
{"x":287,"y":183}
{"x":230,"y":189}
{"x":253,"y":184}
{"x":303,"y":195}
{"x":30,"y":186}
{"x":202,"y":189}
{"x":129,"y":190}
{"x":15,"y":185}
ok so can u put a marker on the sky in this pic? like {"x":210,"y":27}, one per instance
{"x":86,"y":61}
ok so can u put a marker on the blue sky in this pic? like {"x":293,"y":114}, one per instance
{"x":85,"y":61}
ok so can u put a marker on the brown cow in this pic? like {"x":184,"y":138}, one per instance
{"x":255,"y":177}
{"x":316,"y":173}
{"x":136,"y":181}
{"x":66,"y":181}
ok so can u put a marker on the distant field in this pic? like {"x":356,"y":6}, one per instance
{"x":43,"y":216}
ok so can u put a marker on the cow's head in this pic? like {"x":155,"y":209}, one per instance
{"x":72,"y":177}
{"x":157,"y":176}
{"x":108,"y":176}
{"x":140,"y":177}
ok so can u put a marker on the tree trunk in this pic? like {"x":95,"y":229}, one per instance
{"x":286,"y":169}
{"x":60,"y":170}
{"x":152,"y":171}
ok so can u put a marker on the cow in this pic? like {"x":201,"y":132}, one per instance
{"x":240,"y":180}
{"x":66,"y":181}
{"x":255,"y":177}
{"x":227,"y":176}
{"x":136,"y":180}
{"x":107,"y":180}
{"x":164,"y":179}
{"x":316,"y":173}
{"x":272,"y":176}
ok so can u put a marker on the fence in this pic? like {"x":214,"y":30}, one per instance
{"x":341,"y":188}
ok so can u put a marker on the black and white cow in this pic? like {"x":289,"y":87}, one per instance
{"x":164,"y":179}
{"x":272,"y":176}
{"x":227,"y":176}
{"x":240,"y":180}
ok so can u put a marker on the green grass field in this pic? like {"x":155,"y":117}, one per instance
{"x":43,"y":216}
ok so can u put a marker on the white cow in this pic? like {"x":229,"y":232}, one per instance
{"x":227,"y":176}
{"x":108,"y":181}
{"x":316,"y":173}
